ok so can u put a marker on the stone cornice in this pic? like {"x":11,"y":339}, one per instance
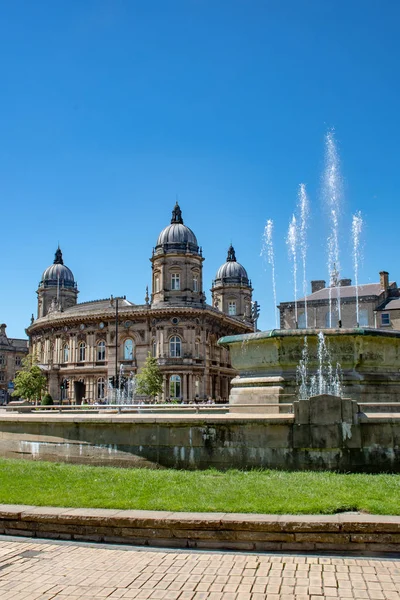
{"x":137,"y":313}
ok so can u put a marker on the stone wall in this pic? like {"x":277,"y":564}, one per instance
{"x":229,"y":531}
{"x":323,"y":433}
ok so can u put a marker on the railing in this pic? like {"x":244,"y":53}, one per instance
{"x":379,"y":407}
{"x":193,"y":408}
{"x":125,"y":408}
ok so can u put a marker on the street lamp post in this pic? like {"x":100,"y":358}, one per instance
{"x":116,"y":348}
{"x":255,"y":310}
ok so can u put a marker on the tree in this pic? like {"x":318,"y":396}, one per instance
{"x":47,"y":400}
{"x":29,"y":382}
{"x":150,"y":380}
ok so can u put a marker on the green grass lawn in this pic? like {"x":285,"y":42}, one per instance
{"x":51,"y":484}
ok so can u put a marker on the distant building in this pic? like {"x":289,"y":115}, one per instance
{"x":12,"y":353}
{"x":379,"y":305}
{"x":76,"y":344}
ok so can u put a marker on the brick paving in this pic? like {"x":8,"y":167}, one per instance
{"x":33,"y":570}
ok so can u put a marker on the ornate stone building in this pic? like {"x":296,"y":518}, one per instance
{"x":12,"y":353}
{"x":82,"y":345}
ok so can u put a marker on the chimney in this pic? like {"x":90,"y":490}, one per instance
{"x":317,"y":284}
{"x":343,"y":282}
{"x":3,"y":329}
{"x":384,"y":280}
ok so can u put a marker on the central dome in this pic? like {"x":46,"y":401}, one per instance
{"x":177,"y":236}
{"x":58,"y":273}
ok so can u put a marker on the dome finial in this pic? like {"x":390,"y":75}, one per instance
{"x":231,"y":254}
{"x":176,"y":214}
{"x":58,"y":259}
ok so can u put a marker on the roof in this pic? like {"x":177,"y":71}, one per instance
{"x":231,"y":272}
{"x":392,"y":305}
{"x":58,"y":273}
{"x":176,"y":234}
{"x":348,"y":291}
{"x":96,"y":305}
{"x":19,"y":344}
{"x":177,"y":237}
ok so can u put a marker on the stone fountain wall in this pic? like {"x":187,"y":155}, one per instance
{"x":267,"y":364}
{"x":323,"y":433}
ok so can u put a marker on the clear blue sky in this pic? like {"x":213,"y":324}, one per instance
{"x":110,"y":108}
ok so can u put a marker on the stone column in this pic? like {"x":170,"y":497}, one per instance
{"x":190,"y":387}
{"x":217,"y":386}
{"x":165,"y":388}
{"x":184,"y":387}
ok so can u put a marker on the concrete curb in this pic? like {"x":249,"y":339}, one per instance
{"x":346,"y":532}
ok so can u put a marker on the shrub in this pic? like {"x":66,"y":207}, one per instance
{"x":47,"y":400}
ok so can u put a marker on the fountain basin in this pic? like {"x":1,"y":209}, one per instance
{"x":267,"y":362}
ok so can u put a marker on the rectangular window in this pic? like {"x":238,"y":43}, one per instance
{"x":301,"y":320}
{"x":2,"y":359}
{"x":2,"y":377}
{"x":175,"y":281}
{"x":195,"y":284}
{"x":231,"y":307}
{"x":18,"y":361}
{"x":385,"y":319}
{"x":363,"y":317}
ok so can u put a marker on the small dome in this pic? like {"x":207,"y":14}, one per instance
{"x":177,"y":236}
{"x":58,"y":273}
{"x":231,"y":272}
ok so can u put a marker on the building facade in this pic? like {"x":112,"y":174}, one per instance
{"x":378,"y":306}
{"x":12,"y":353}
{"x":81,"y":346}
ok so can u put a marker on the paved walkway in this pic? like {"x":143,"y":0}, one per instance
{"x":45,"y":570}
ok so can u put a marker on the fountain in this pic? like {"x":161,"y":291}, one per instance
{"x":332,"y":197}
{"x":291,"y":241}
{"x":327,"y":379}
{"x":125,"y":390}
{"x":282,"y":365}
{"x":304,"y":210}
{"x":356,"y":229}
{"x":267,"y":252}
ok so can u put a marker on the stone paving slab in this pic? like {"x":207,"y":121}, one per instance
{"x":44,"y":570}
{"x":349,"y":532}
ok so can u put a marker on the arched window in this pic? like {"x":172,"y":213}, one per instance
{"x":154,"y":348}
{"x":82,"y":351}
{"x":128,"y":350}
{"x":101,"y":351}
{"x":175,"y":386}
{"x":195,"y":283}
{"x":65,"y":353}
{"x":232,"y":307}
{"x":101,"y":384}
{"x":157,"y":283}
{"x":175,"y":347}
